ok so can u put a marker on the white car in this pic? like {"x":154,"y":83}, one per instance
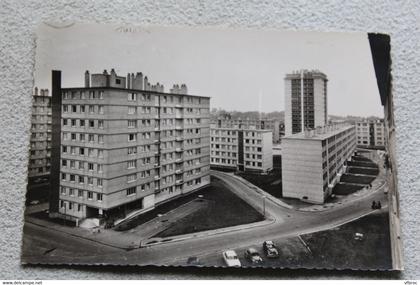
{"x":231,"y":258}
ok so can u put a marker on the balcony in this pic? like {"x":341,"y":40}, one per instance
{"x":157,"y":177}
{"x":156,"y":141}
{"x":179,"y":139}
{"x":179,"y":182}
{"x":178,"y":106}
{"x":179,"y":128}
{"x":178,"y":171}
{"x":178,"y":149}
{"x":156,"y":165}
{"x":179,"y":160}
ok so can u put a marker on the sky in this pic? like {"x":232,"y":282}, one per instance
{"x":240,"y":70}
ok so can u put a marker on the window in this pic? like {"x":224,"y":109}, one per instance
{"x":132,"y":123}
{"x":64,"y":122}
{"x":63,"y":191}
{"x":82,"y":108}
{"x":91,"y":123}
{"x":99,"y":196}
{"x":101,"y":138}
{"x":81,"y":180}
{"x":70,"y":205}
{"x":100,"y":109}
{"x":91,"y":138}
{"x":71,"y":192}
{"x":90,"y":195}
{"x":82,"y":123}
{"x":74,"y":108}
{"x":80,"y":193}
{"x":100,"y":168}
{"x":73,"y":136}
{"x":79,"y":207}
{"x":90,"y":180}
{"x":131,"y":164}
{"x":81,"y":151}
{"x":99,"y":182}
{"x":90,"y":166}
{"x":100,"y":124}
{"x":117,"y":81}
{"x":131,"y":191}
{"x":131,"y":110}
{"x":132,"y":150}
{"x":101,"y":95}
{"x":91,"y":109}
{"x":63,"y":176}
{"x":131,"y":177}
{"x":131,"y":137}
{"x":132,"y":96}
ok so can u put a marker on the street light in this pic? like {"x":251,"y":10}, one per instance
{"x":263,"y":197}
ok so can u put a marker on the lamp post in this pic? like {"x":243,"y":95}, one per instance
{"x":263,"y":197}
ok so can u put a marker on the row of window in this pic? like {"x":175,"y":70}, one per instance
{"x":82,"y":151}
{"x":83,"y":123}
{"x":91,"y":138}
{"x":92,"y":109}
{"x":81,"y":179}
{"x":83,"y":95}
{"x":223,"y":160}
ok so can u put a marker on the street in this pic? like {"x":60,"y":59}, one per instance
{"x":43,"y":245}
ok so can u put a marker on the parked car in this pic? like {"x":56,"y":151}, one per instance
{"x":193,"y":260}
{"x":253,"y":255}
{"x":270,"y":249}
{"x":231,"y":258}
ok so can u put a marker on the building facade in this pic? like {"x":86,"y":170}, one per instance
{"x":313,"y":161}
{"x":40,"y":141}
{"x":241,"y":149}
{"x":274,"y":125}
{"x":371,"y":133}
{"x":126,"y":145}
{"x":309,"y":88}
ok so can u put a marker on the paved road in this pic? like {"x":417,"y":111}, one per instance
{"x":287,"y":223}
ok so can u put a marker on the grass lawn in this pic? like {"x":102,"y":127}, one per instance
{"x":346,"y":189}
{"x":224,"y":210}
{"x":360,"y":170}
{"x":337,"y":248}
{"x":351,"y":178}
{"x":270,"y":183}
{"x":362,"y":164}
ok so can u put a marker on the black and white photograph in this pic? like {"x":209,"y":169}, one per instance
{"x":211,"y":147}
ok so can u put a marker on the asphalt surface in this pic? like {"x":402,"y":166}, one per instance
{"x":42,"y":245}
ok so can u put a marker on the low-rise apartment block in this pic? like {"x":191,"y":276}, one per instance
{"x":371,"y":133}
{"x":127,"y":146}
{"x":274,"y":125}
{"x":313,"y":161}
{"x":40,"y":141}
{"x":241,"y":149}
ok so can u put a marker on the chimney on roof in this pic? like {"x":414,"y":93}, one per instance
{"x":138,"y":81}
{"x":36,"y":91}
{"x":105,"y":72}
{"x":146,"y":83}
{"x":128,"y":81}
{"x":87,"y":78}
{"x":46,"y":92}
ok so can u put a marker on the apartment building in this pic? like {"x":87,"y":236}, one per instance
{"x":40,"y":141}
{"x":371,"y":133}
{"x":241,"y":149}
{"x":305,"y":101}
{"x":313,"y":161}
{"x":126,"y":145}
{"x":274,"y":125}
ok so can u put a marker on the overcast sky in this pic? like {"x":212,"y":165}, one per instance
{"x":239,"y":69}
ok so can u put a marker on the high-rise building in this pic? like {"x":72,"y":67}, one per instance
{"x":126,"y":145}
{"x":309,"y":87}
{"x":241,"y":149}
{"x":371,"y":133}
{"x":313,"y":161}
{"x":40,"y":141}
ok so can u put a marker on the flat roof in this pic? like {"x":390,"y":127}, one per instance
{"x":239,"y":129}
{"x":319,"y":136}
{"x":127,"y":89}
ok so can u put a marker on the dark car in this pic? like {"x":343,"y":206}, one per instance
{"x":193,"y":260}
{"x":253,"y":255}
{"x":270,"y":249}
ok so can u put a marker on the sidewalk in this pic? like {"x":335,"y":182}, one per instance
{"x":377,"y":185}
{"x":129,"y":239}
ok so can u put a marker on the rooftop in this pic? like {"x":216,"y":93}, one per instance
{"x":320,"y":133}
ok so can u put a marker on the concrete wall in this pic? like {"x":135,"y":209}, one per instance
{"x":302,"y":170}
